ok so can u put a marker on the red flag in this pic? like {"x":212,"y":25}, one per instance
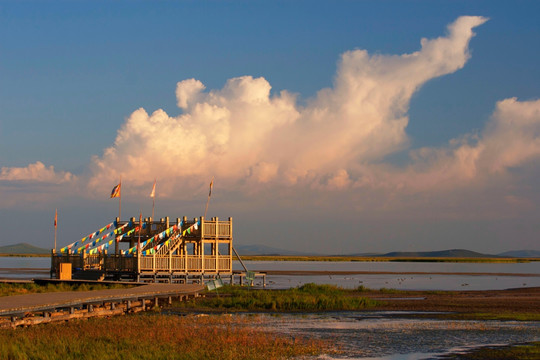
{"x":116,"y":191}
{"x":55,"y":217}
{"x":211,"y":185}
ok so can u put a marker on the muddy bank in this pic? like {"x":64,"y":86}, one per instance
{"x":522,"y":300}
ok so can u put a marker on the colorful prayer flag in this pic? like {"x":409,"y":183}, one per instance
{"x":116,"y":191}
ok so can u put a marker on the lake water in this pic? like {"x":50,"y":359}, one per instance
{"x":403,"y":281}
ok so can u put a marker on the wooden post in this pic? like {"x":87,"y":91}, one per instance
{"x":230,"y":243}
{"x":132,"y":241}
{"x":184,"y":246}
{"x":201,"y":246}
{"x":116,"y":242}
{"x":216,"y":245}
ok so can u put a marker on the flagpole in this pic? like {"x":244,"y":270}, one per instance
{"x":139,"y":248}
{"x":55,"y":221}
{"x":209,"y":194}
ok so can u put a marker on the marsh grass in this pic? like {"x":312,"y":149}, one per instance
{"x":530,"y":351}
{"x":8,"y":289}
{"x":309,"y":297}
{"x":153,"y":336}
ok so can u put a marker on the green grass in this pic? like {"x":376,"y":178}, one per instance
{"x":529,"y":351}
{"x":8,"y":289}
{"x":153,"y":336}
{"x":309,"y":297}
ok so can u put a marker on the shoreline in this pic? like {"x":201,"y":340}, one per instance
{"x":322,"y":272}
{"x":347,"y":258}
{"x":352,"y":272}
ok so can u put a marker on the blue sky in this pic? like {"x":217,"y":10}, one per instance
{"x":73,"y":74}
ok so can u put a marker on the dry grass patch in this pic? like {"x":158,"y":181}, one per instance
{"x":152,"y":336}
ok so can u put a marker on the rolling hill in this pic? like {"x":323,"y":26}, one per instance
{"x":23,"y":248}
{"x":522,"y":253}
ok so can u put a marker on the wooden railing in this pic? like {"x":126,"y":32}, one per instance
{"x":178,"y":263}
{"x":220,"y":229}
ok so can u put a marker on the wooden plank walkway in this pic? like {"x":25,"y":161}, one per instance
{"x":66,"y":305}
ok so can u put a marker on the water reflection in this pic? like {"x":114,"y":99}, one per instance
{"x":387,"y":335}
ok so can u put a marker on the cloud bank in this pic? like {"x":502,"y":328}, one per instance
{"x":36,"y":172}
{"x":254,"y":140}
{"x":248,"y":137}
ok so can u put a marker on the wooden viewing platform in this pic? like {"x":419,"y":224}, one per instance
{"x":158,"y":251}
{"x":31,"y":309}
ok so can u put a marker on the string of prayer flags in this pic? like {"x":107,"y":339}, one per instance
{"x":91,"y":236}
{"x":95,"y":242}
{"x":189,"y":229}
{"x":159,"y":236}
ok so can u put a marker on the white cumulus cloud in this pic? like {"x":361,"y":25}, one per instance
{"x":36,"y":172}
{"x":242,"y":134}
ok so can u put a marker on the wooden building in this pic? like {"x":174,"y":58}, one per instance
{"x":146,"y":250}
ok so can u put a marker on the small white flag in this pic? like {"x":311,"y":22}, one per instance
{"x":153,"y":193}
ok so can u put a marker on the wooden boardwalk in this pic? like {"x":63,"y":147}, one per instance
{"x":30,"y":309}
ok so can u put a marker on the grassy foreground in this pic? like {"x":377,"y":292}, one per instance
{"x":152,"y":336}
{"x":309,"y":297}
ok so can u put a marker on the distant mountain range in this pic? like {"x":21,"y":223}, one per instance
{"x":24,"y":248}
{"x":454,"y":253}
{"x":457,"y":253}
{"x":521,"y":253}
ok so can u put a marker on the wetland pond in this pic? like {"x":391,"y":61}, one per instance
{"x":400,"y":275}
{"x":394,"y":336}
{"x":377,"y":334}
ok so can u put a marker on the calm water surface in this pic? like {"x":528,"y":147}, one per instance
{"x":387,"y":335}
{"x":402,"y":281}
{"x":376,"y":281}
